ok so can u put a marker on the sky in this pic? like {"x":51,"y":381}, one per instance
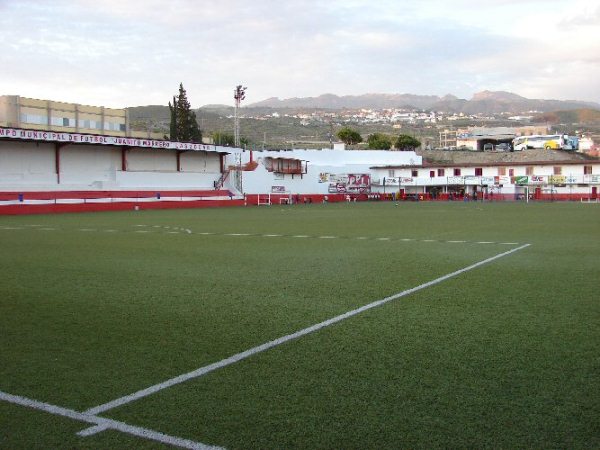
{"x":122,"y":53}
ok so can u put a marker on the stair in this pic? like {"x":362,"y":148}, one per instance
{"x":219,"y":183}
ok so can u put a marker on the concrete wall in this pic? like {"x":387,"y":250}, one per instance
{"x":200,"y":162}
{"x":318,"y":163}
{"x":151,"y":160}
{"x":88,"y":165}
{"x":29,"y":166}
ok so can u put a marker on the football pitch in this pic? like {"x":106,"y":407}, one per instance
{"x":338,"y":326}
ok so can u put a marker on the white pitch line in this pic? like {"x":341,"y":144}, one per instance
{"x":188,"y":231}
{"x":276,"y":342}
{"x":92,"y":430}
{"x":101,"y":424}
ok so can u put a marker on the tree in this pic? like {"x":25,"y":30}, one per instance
{"x":349,"y":136}
{"x":379,"y":141}
{"x":184,"y":125}
{"x":406,"y":142}
{"x":225,"y":139}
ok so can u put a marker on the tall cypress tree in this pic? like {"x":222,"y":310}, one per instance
{"x":173,"y":124}
{"x":184,"y":125}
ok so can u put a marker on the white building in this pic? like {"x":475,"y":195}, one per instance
{"x":541,"y":180}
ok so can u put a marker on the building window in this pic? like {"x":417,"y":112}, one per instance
{"x":441,"y":172}
{"x":557,"y":170}
{"x":63,"y":122}
{"x":457,"y":172}
{"x":511,"y":172}
{"x":501,"y":171}
{"x":587,"y":170}
{"x":478,"y":171}
{"x":90,"y":124}
{"x":415,"y":173}
{"x":114,"y":126}
{"x":529,"y":170}
{"x":391,"y":173}
{"x":34,"y":118}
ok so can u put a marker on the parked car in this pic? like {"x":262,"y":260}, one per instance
{"x":503,"y":147}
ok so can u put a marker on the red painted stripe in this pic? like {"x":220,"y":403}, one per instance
{"x":51,"y":195}
{"x":125,"y":206}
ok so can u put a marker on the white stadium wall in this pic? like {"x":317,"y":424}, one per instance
{"x":164,"y":180}
{"x":200,"y":162}
{"x":145,"y":160}
{"x":24,"y":164}
{"x":318,"y":164}
{"x":82,"y":165}
{"x":32,"y":166}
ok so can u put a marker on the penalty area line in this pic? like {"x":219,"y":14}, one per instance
{"x":102,"y":424}
{"x":279,"y":341}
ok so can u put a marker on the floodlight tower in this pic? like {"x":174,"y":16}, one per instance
{"x":239,"y":94}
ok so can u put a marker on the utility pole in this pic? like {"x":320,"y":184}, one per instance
{"x":330,"y":134}
{"x":239,"y":94}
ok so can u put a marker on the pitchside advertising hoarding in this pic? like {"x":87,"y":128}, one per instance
{"x":556,"y":180}
{"x":74,"y":138}
{"x":357,"y":183}
{"x":437,"y":181}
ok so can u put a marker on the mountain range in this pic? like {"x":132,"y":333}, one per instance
{"x":486,"y":102}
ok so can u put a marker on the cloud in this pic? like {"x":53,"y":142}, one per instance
{"x":124,"y":53}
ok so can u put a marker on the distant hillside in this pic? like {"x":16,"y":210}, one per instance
{"x":154,"y":112}
{"x":331,"y":101}
{"x":578,"y":116}
{"x":486,"y":102}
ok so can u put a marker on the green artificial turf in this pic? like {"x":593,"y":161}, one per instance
{"x":97,"y":306}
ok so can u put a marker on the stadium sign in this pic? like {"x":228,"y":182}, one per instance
{"x":487,"y":181}
{"x":538,"y":179}
{"x":521,"y":180}
{"x":456,"y":180}
{"x":75,"y":138}
{"x":591,"y":179}
{"x":472,"y":180}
